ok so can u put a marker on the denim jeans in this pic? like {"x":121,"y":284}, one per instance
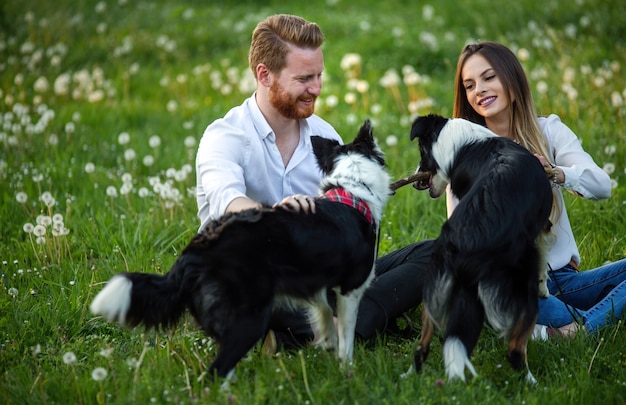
{"x":593,"y":297}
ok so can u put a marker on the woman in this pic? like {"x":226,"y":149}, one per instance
{"x":491,"y":89}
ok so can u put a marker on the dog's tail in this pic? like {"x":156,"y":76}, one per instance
{"x":151,"y":300}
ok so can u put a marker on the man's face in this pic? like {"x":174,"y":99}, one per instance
{"x":294,"y":90}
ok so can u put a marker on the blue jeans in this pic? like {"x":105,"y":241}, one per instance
{"x":594,"y":298}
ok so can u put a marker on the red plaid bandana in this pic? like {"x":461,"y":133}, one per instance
{"x":342,"y":196}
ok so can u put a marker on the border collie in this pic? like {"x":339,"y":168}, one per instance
{"x":240,"y":266}
{"x":487,"y":260}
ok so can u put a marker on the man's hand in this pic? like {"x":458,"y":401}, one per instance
{"x":297,"y":203}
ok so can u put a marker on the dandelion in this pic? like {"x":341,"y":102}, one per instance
{"x":190,"y":142}
{"x":90,"y":167}
{"x":28,"y":227}
{"x":143,"y":192}
{"x":610,"y":149}
{"x":111,"y":192}
{"x":69,"y":358}
{"x":148,"y":160}
{"x":129,"y":154}
{"x":332,"y":100}
{"x":99,"y":374}
{"x":123,"y":138}
{"x":542,"y":87}
{"x":41,"y":85}
{"x":106,"y":353}
{"x":21,"y":197}
{"x":523,"y":54}
{"x":39,"y":230}
{"x":57,"y":219}
{"x":154,"y":141}
{"x":391,"y":140}
{"x":616,"y":99}
{"x":13,"y":293}
{"x":609,"y":168}
{"x":172,"y":105}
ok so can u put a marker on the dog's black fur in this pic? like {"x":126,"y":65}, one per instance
{"x":240,"y":266}
{"x":487,"y":260}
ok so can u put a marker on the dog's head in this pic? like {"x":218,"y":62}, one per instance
{"x":427,"y":129}
{"x":327,"y":151}
{"x":357,"y":167}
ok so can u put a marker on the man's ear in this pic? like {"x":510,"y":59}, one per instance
{"x":263,"y":75}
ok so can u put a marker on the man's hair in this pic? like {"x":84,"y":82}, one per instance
{"x":272,"y":38}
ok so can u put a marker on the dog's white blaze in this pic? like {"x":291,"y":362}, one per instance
{"x":113,"y":301}
{"x":455,"y":359}
{"x":363,"y":178}
{"x":455,"y":134}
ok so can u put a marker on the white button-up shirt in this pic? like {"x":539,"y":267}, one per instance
{"x":238,"y":157}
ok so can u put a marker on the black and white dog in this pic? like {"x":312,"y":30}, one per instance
{"x":486,"y":262}
{"x":240,"y":266}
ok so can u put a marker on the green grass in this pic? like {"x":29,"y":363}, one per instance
{"x":169,"y":68}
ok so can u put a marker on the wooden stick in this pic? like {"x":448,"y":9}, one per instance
{"x":409,"y":180}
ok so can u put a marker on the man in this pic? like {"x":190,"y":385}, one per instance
{"x":260,"y":153}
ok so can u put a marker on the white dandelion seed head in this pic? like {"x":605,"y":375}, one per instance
{"x":13,"y":292}
{"x":106,"y":353}
{"x":40,"y":240}
{"x":391,"y":140}
{"x":111,"y":191}
{"x":99,"y":374}
{"x":39,"y":230}
{"x":143,"y":192}
{"x":154,"y":141}
{"x":610,"y":149}
{"x":350,"y":60}
{"x":190,"y":142}
{"x":129,"y":154}
{"x":21,"y":197}
{"x":57,"y":218}
{"x":349,"y":98}
{"x":89,"y":167}
{"x":69,"y":358}
{"x":123,"y":138}
{"x":609,"y":168}
{"x":28,"y":227}
{"x":148,"y":160}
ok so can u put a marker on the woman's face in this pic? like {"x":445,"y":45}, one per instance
{"x":483,"y":89}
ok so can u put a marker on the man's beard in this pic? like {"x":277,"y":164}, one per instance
{"x":287,"y":106}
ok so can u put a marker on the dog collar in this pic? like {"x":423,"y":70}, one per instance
{"x":344,"y":197}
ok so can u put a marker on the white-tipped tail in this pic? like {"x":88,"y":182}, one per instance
{"x":114,"y":300}
{"x":455,"y":359}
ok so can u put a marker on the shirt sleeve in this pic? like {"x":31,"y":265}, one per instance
{"x":220,"y":164}
{"x":582,"y":174}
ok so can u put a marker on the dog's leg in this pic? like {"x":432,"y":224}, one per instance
{"x":462,"y":332}
{"x":240,"y":337}
{"x":321,"y":316}
{"x":423,"y":348}
{"x":517,"y":350}
{"x":347,"y":311}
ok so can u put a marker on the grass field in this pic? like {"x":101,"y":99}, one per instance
{"x":101,"y":108}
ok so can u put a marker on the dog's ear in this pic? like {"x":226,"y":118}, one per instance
{"x":431,"y":123}
{"x":366,"y":135}
{"x":324,"y":151}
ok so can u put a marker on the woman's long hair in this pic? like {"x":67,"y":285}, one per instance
{"x":523,"y":123}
